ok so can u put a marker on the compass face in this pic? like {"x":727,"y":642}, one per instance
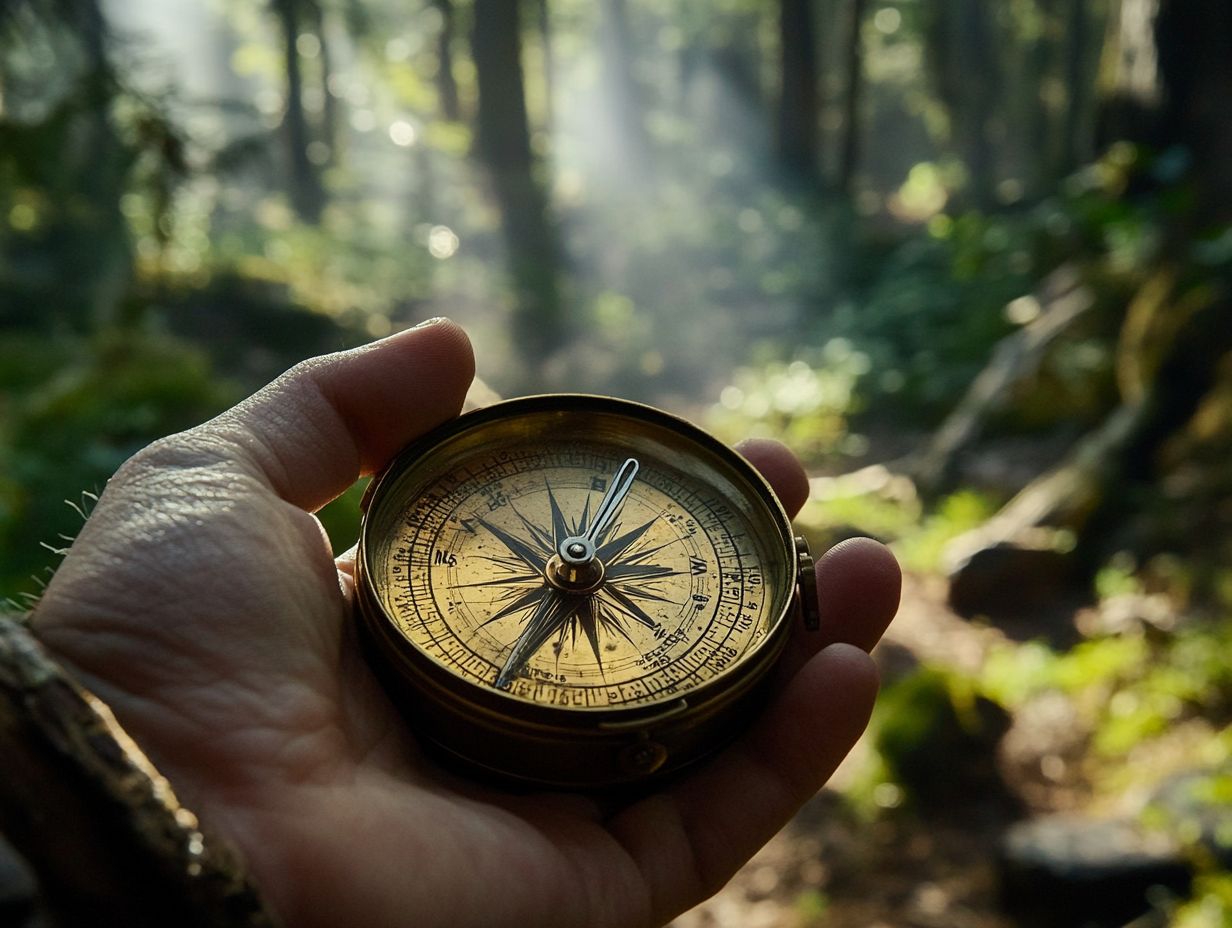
{"x":687,"y":575}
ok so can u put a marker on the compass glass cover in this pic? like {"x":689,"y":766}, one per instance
{"x":695,"y":567}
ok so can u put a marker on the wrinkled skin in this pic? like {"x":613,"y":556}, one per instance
{"x":203,"y":604}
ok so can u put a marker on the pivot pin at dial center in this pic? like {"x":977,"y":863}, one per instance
{"x":574,"y":567}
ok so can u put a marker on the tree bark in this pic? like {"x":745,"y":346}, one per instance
{"x":798,"y":139}
{"x":98,"y":243}
{"x":503,"y":144}
{"x":1172,"y":85}
{"x":446,"y":83}
{"x":960,"y":51}
{"x":329,"y":103}
{"x":1040,"y":137}
{"x":1129,"y":88}
{"x":1076,"y":138}
{"x":543,"y":20}
{"x":306,"y":193}
{"x":1194,"y":42}
{"x":850,"y":151}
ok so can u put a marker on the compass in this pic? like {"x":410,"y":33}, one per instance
{"x":576,"y":591}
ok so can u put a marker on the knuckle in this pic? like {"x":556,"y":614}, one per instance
{"x":175,"y":452}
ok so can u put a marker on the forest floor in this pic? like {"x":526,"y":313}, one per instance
{"x":833,"y":866}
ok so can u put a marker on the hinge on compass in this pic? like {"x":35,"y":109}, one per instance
{"x":806,"y":586}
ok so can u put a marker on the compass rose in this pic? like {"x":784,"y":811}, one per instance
{"x":572,"y":579}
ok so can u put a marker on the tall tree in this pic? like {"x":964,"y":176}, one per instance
{"x":543,"y":20}
{"x":1076,"y":136}
{"x":1194,"y":41}
{"x":329,"y":102}
{"x":503,"y":144}
{"x":797,"y":136}
{"x":68,"y":148}
{"x":961,"y":48}
{"x":850,"y":150}
{"x":1038,"y":113}
{"x":1129,"y":75}
{"x":446,"y":83}
{"x":305,"y":189}
{"x":1175,"y":341}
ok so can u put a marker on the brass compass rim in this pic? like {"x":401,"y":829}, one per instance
{"x":415,"y":660}
{"x":515,"y":737}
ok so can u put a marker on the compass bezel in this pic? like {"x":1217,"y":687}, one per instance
{"x":572,"y":745}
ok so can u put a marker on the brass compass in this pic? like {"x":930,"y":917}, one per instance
{"x":577,"y":591}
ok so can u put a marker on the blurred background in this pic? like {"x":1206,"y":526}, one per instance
{"x":971,"y":260}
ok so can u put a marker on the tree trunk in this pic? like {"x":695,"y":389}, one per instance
{"x":1129,"y":80}
{"x":503,"y":144}
{"x":960,"y":51}
{"x":1176,"y":337}
{"x":1076,"y":137}
{"x":90,"y":819}
{"x":446,"y":83}
{"x":103,"y":247}
{"x":799,"y":103}
{"x":543,"y":21}
{"x":1040,"y":137}
{"x":1194,"y":42}
{"x":850,"y":151}
{"x":981,"y":84}
{"x":329,"y":103}
{"x":306,"y":193}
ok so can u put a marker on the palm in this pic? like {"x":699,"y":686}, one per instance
{"x":202,"y":603}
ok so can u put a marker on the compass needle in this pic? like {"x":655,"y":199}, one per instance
{"x":575,"y":591}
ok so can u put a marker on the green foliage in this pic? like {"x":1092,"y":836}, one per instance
{"x":77,"y":409}
{"x":876,"y":504}
{"x":341,"y":517}
{"x":868,"y":512}
{"x":805,"y":403}
{"x":1209,"y":904}
{"x":811,"y":906}
{"x":1131,"y":687}
{"x":922,"y":548}
{"x":931,"y":308}
{"x":911,"y":709}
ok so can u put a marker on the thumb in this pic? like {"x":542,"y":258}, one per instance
{"x":314,"y":430}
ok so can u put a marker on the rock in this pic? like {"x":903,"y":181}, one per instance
{"x":943,"y":749}
{"x":1008,"y":579}
{"x":1072,"y":871}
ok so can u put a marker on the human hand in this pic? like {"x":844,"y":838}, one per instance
{"x":202,"y":602}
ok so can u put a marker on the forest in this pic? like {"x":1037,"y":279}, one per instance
{"x":972,"y":261}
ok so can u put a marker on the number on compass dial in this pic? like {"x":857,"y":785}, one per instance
{"x":573,"y":579}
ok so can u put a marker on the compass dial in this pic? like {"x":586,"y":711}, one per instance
{"x":683,"y":595}
{"x":555,"y":559}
